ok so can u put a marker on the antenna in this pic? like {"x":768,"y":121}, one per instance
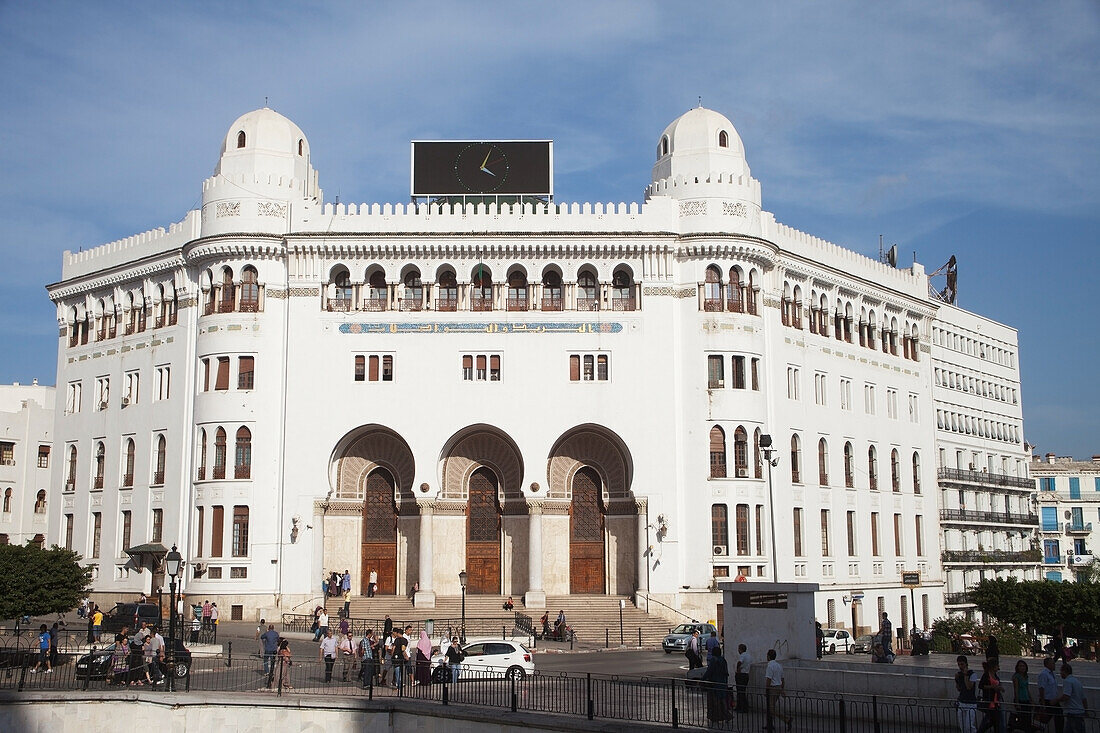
{"x":265,"y":100}
{"x":700,"y":100}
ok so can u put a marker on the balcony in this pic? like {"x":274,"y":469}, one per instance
{"x":244,"y":471}
{"x":984,"y":478}
{"x":968,"y":515}
{"x":219,"y":472}
{"x":338,"y":305}
{"x":158,"y":478}
{"x":411,"y":304}
{"x":551,"y":304}
{"x":588,"y":304}
{"x":97,"y":483}
{"x":516,"y":304}
{"x":446,"y":304}
{"x":1051,"y":528}
{"x":1078,"y":560}
{"x":481,"y":305}
{"x":1078,"y":528}
{"x":712,"y":305}
{"x":373,"y":304}
{"x":1052,"y":559}
{"x":247,"y":306}
{"x":623,"y":304}
{"x":991,"y":556}
{"x":956,"y":599}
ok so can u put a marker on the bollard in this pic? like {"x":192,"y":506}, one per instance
{"x":514,"y":701}
{"x":22,"y":674}
{"x":503,"y":631}
{"x":606,"y":638}
{"x":639,"y":636}
{"x":571,"y":637}
{"x":446,"y":680}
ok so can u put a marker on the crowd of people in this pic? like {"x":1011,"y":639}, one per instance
{"x":1062,"y":705}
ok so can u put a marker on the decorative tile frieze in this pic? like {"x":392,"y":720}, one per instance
{"x":482,"y":327}
{"x":228,"y":208}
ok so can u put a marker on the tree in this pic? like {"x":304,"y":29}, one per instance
{"x":1041,"y":604}
{"x":39,"y":582}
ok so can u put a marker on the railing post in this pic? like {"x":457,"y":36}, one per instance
{"x":23,"y":674}
{"x":280,"y":685}
{"x":229,"y":657}
{"x":606,"y":638}
{"x":639,"y":636}
{"x":513,"y":685}
{"x":874,"y":708}
{"x":843,"y":717}
{"x":591,"y":705}
{"x":675,"y":710}
{"x":446,"y":684}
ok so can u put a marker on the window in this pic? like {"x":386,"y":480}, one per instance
{"x":914,"y":408}
{"x":131,"y":384}
{"x":481,"y":290}
{"x":820,"y":397}
{"x":759,"y":529}
{"x":228,"y":292}
{"x":217,"y":531}
{"x":487,"y":367}
{"x":1046,"y":483}
{"x":897,"y":535}
{"x":72,"y":397}
{"x":796,"y":459}
{"x":757,"y":455}
{"x":128,"y":464}
{"x":7,"y":500}
{"x":412,"y":299}
{"x":360,"y":368}
{"x":70,"y":480}
{"x":102,"y":392}
{"x":221,"y":382}
{"x":716,"y":372}
{"x":717,"y":453}
{"x":712,"y":290}
{"x":163,"y":382}
{"x":869,"y":399}
{"x":797,"y":532}
{"x":246,"y":368}
{"x":1074,"y":487}
{"x":43,"y":456}
{"x":872,"y":468}
{"x":825,"y":551}
{"x":723,"y":139}
{"x":742,"y":529}
{"x":874,"y":534}
{"x":68,"y":531}
{"x":202,"y":453}
{"x":845,"y":394}
{"x":738,"y":372}
{"x":97,"y":533}
{"x":895,"y":471}
{"x":755,"y":374}
{"x":162,"y":451}
{"x":734,"y":301}
{"x":588,"y":367}
{"x":719,"y":528}
{"x":242,"y":460}
{"x":40,"y":502}
{"x":158,"y":526}
{"x":551,"y":291}
{"x":822,"y":462}
{"x":219,"y":454}
{"x":741,"y":452}
{"x":201,"y":527}
{"x":792,"y":383}
{"x":205,"y":375}
{"x":918,"y":525}
{"x":240,"y":531}
{"x":127,"y":526}
{"x":240,"y":139}
{"x":916,"y":473}
{"x":250,"y":290}
{"x":100,"y":456}
{"x":517,"y":291}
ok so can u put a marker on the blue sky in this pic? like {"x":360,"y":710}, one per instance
{"x":961,"y":128}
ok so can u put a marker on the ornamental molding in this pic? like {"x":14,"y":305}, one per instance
{"x":555,"y":508}
{"x":628,"y":247}
{"x":731,"y":208}
{"x":770,"y":301}
{"x":140,"y":269}
{"x":339,"y":508}
{"x":228,"y":208}
{"x":449,"y":508}
{"x":275,"y":293}
{"x":693,"y":208}
{"x":668,"y":291}
{"x":481,"y":327}
{"x":304,"y":292}
{"x":235,"y":246}
{"x":271,"y":208}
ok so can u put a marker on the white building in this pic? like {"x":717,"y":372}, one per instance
{"x":1069,"y":508}
{"x":557,"y":399}
{"x":26,"y":429}
{"x":987,"y":512}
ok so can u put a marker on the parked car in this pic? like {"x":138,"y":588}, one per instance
{"x":677,"y":639}
{"x":131,"y":615}
{"x":862,"y":644}
{"x":96,"y":664}
{"x":838,"y":640}
{"x":490,"y":658}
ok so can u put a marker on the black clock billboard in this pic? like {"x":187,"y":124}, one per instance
{"x":482,"y":168}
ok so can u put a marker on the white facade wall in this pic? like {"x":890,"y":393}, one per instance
{"x":1069,"y":515}
{"x":26,"y":460}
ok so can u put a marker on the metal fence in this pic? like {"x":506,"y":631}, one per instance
{"x":673,"y":702}
{"x":504,"y":627}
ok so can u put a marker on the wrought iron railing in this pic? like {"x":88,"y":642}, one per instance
{"x":986,"y":478}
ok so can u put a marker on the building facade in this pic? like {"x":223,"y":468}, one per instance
{"x":628,"y":399}
{"x":26,"y":432}
{"x":1069,"y":508}
{"x":987,"y":508}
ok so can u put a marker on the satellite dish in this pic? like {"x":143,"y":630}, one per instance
{"x":892,"y":256}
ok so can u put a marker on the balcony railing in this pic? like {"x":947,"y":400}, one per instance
{"x":97,"y":483}
{"x":1078,"y":528}
{"x":208,"y":309}
{"x":481,"y":304}
{"x":734,"y":306}
{"x":250,"y":306}
{"x":338,"y":305}
{"x":219,"y":472}
{"x":987,"y":556}
{"x":242,"y":471}
{"x":158,"y":478}
{"x":1055,"y":527}
{"x":956,"y":599}
{"x":411,"y":304}
{"x":588,"y":304}
{"x":225,"y":306}
{"x":127,"y":480}
{"x":712,"y":305}
{"x":623,"y":304}
{"x":551,"y":304}
{"x":373,"y":304}
{"x":517,"y":304}
{"x":1077,"y":559}
{"x":967,"y":515}
{"x":202,"y":473}
{"x":986,"y":478}
{"x":1052,"y":559}
{"x":446,"y":304}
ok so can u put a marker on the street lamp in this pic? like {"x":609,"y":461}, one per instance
{"x":173,"y":563}
{"x":462,"y":578}
{"x":768,"y":451}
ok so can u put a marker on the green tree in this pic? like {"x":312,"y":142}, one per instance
{"x":40,"y":582}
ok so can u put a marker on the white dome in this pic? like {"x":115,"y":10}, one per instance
{"x":268,"y":131}
{"x":699,"y":143}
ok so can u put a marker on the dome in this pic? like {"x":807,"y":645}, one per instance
{"x":699,"y":143}
{"x":267,"y":131}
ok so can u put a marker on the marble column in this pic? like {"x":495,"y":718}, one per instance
{"x":535,"y":597}
{"x":643,"y":551}
{"x":425,"y":595}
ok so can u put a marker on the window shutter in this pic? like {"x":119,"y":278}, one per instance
{"x":387,"y":368}
{"x":360,"y":368}
{"x":222,"y":380}
{"x":574,"y":368}
{"x":601,"y":368}
{"x":372,"y":374}
{"x":245,"y":375}
{"x":494,"y":367}
{"x":217,"y":531}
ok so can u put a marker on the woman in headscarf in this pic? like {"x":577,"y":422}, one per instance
{"x":423,"y":674}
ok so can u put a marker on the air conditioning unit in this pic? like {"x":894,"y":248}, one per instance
{"x":721,"y":383}
{"x":742,"y":473}
{"x":103,"y":405}
{"x":721,"y":550}
{"x":8,"y":461}
{"x":125,"y":401}
{"x":971,"y":466}
{"x":70,"y":486}
{"x":198,"y":569}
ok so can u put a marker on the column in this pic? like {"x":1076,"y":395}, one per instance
{"x":425,"y":596}
{"x":642,"y":582}
{"x":535,"y":597}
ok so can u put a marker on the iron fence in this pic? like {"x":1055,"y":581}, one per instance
{"x":507,"y":627}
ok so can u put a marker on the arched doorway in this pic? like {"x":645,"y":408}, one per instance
{"x":379,"y":545}
{"x":586,"y":534}
{"x":483,"y":534}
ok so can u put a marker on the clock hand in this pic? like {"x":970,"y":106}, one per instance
{"x":486,"y":170}
{"x":486,"y":161}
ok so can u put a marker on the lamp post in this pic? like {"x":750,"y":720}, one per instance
{"x":462,"y":578}
{"x":768,"y":451}
{"x":173,"y":563}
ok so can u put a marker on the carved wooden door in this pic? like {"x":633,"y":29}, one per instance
{"x":379,"y":533}
{"x":483,"y":534}
{"x":586,"y":534}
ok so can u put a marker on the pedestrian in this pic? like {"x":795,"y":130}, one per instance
{"x":966,"y":682}
{"x":348,"y":656}
{"x":400,"y":657}
{"x":559,"y":626}
{"x":284,"y":660}
{"x":387,"y":626}
{"x":1058,"y":643}
{"x":154,"y":655}
{"x":372,"y":585}
{"x":333,"y":584}
{"x":82,"y":609}
{"x":1049,"y":697}
{"x":206,"y":615}
{"x":992,"y":698}
{"x":91,"y":629}
{"x":886,"y":634}
{"x":1073,"y":701}
{"x":54,"y":634}
{"x":324,"y":586}
{"x":714,"y":647}
{"x":139,"y":675}
{"x":693,"y":652}
{"x":322,"y":623}
{"x":545,"y":620}
{"x":345,"y":581}
{"x":455,"y":656}
{"x":774,"y":683}
{"x":43,"y":652}
{"x":120,"y":667}
{"x":717,"y":677}
{"x":259,"y":632}
{"x":214,"y":620}
{"x":741,"y":677}
{"x":326,"y":652}
{"x":1021,"y":696}
{"x":195,"y":628}
{"x":269,"y":641}
{"x":97,"y":625}
{"x":347,"y":602}
{"x":410,"y":653}
{"x":992,"y":651}
{"x":820,"y":640}
{"x":385,"y":655}
{"x":423,"y":675}
{"x":367,"y":669}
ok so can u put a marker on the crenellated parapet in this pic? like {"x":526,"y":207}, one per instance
{"x":131,"y":249}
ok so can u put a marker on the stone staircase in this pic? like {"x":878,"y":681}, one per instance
{"x":594,"y":618}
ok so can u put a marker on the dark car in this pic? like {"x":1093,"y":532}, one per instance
{"x":96,"y":664}
{"x":131,"y":615}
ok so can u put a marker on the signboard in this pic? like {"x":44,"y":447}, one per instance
{"x":482,"y":168}
{"x":910,"y":578}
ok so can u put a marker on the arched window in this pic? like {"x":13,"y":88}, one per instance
{"x":734,"y":303}
{"x":849,"y":466}
{"x":664,"y":146}
{"x":517,"y":291}
{"x":250,"y":290}
{"x":717,"y":453}
{"x":822,"y":462}
{"x":7,"y":501}
{"x":712,"y":290}
{"x":128,"y":471}
{"x":414,"y":291}
{"x":757,"y":456}
{"x":796,"y":459}
{"x":622,"y":291}
{"x":301,"y":146}
{"x":796,"y":308}
{"x":101,"y":316}
{"x":70,"y":482}
{"x":895,"y":470}
{"x":228,"y":294}
{"x":750,"y":294}
{"x":551,"y":291}
{"x":202,"y":454}
{"x":448,"y":292}
{"x":242,"y":459}
{"x":872,"y":468}
{"x":785,"y":306}
{"x":741,"y":452}
{"x":481,"y":298}
{"x":723,"y":139}
{"x":162,"y":455}
{"x":916,"y":472}
{"x":240,"y":139}
{"x":100,"y":453}
{"x":219,"y":453}
{"x":823,"y":316}
{"x":131,"y":314}
{"x":587,"y":292}
{"x":40,"y":508}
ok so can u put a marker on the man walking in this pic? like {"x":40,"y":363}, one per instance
{"x":322,"y":622}
{"x":347,"y":657}
{"x":1049,"y":697}
{"x":1073,"y":701}
{"x":206,"y":615}
{"x":713,"y":647}
{"x":774,"y":683}
{"x":270,"y":641}
{"x":400,"y":658}
{"x":326,"y":652}
{"x":966,"y":682}
{"x":43,"y":651}
{"x":693,"y":651}
{"x":886,"y":634}
{"x":372,"y":584}
{"x":741,"y":677}
{"x":366,"y":659}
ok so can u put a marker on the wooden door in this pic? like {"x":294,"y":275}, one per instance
{"x":379,"y":549}
{"x":586,"y":535}
{"x":483,"y":535}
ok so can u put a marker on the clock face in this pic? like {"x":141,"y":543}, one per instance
{"x":481,"y":167}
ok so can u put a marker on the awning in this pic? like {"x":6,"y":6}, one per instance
{"x":148,"y":555}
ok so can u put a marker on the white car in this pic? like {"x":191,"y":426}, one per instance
{"x":838,"y":640}
{"x":490,"y":658}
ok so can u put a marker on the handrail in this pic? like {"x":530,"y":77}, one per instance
{"x":649,"y":598}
